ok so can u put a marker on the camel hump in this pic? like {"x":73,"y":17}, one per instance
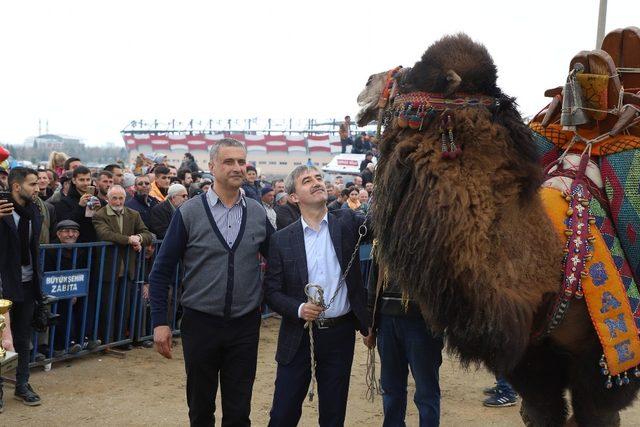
{"x":623,"y":44}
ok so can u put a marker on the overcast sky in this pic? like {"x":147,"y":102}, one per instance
{"x":91,"y":67}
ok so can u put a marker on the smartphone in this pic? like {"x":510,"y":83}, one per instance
{"x":91,"y":190}
{"x":5,"y":195}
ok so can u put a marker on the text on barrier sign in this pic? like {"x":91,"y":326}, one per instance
{"x":66,"y":283}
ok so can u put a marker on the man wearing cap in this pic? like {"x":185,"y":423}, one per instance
{"x":281,"y":200}
{"x":268,"y":196}
{"x":67,"y":232}
{"x":123,"y":226}
{"x":161,"y":214}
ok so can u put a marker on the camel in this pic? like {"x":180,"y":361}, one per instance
{"x":461,"y":226}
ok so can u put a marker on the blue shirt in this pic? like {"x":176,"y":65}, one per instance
{"x":228,"y":220}
{"x":323,"y":267}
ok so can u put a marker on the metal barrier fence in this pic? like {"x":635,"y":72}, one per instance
{"x":102,"y":298}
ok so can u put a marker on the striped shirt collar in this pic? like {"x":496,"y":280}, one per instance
{"x":214,"y":199}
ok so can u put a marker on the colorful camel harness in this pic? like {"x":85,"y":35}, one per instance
{"x":588,"y":269}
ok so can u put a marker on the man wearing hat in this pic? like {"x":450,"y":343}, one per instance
{"x":67,"y":232}
{"x":268,"y":196}
{"x":281,"y":199}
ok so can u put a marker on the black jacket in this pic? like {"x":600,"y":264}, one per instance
{"x":10,"y":265}
{"x":138,"y":203}
{"x":287,"y":277}
{"x":160,"y":218}
{"x":66,"y":258}
{"x":286,"y":214}
{"x":69,"y":208}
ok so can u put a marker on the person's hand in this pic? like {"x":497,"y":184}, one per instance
{"x":370,"y":339}
{"x":6,"y":208}
{"x":162,"y":340}
{"x":7,"y":338}
{"x":310,"y":311}
{"x":84,"y":199}
{"x":145,"y":291}
{"x":135,"y":240}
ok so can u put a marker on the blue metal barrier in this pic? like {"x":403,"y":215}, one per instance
{"x":100,"y":305}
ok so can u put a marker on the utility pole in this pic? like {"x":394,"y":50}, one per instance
{"x":602,"y":20}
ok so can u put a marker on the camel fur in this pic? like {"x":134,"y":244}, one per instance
{"x":469,"y":240}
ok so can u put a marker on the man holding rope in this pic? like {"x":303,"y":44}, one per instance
{"x":314,"y":281}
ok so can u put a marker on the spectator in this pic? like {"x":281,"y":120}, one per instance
{"x":196,"y":177}
{"x":268,"y":196}
{"x":160,"y":159}
{"x":103,"y":184}
{"x":160,"y":185}
{"x":79,"y":204}
{"x":358,"y":144}
{"x":363,"y":197}
{"x":44,"y":191}
{"x":71,"y":164}
{"x":160,"y":215}
{"x":205,"y":184}
{"x":184,"y":175}
{"x":339,"y":180}
{"x":369,"y":187}
{"x":278,"y":186}
{"x":331,"y":192}
{"x":345,"y":133}
{"x":353,"y":202}
{"x":48,"y":213}
{"x":195,"y":190}
{"x":173,"y":171}
{"x":366,"y":142}
{"x":357,"y":181}
{"x":251,"y":185}
{"x":20,"y":274}
{"x":281,"y":200}
{"x":367,"y":174}
{"x":141,"y":201}
{"x":128,"y":182}
{"x":67,"y":232}
{"x":123,"y":226}
{"x":368,"y":158}
{"x":116,"y":172}
{"x":57,"y":162}
{"x":63,"y":189}
{"x":53,"y":180}
{"x":189,"y":163}
{"x":340,"y":201}
{"x":286,"y":214}
{"x":4,"y":179}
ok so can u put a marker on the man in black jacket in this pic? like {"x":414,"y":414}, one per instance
{"x":141,"y":201}
{"x":20,"y":273}
{"x":73,"y":206}
{"x":160,"y":216}
{"x":286,"y":214}
{"x":317,"y":250}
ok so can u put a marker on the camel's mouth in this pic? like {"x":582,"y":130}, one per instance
{"x":367,"y":113}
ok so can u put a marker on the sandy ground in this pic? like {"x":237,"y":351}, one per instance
{"x":145,"y":389}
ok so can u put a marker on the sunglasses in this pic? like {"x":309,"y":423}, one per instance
{"x":143,"y":183}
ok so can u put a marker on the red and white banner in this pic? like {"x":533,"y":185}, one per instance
{"x":294,"y":143}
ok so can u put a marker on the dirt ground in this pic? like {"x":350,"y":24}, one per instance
{"x":145,"y":389}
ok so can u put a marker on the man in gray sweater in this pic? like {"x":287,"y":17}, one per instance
{"x":217,"y":236}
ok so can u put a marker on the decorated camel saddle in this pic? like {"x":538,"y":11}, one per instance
{"x":589,"y":140}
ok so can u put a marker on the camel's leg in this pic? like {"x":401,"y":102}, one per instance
{"x":594,"y":404}
{"x":540,"y":378}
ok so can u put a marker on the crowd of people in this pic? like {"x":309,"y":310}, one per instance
{"x":306,"y":227}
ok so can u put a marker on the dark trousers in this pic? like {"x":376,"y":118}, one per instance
{"x":70,"y":314}
{"x":214,"y":347}
{"x":110,"y":318}
{"x":334,"y":356}
{"x":344,"y":142}
{"x":21,"y":316}
{"x":405,"y":342}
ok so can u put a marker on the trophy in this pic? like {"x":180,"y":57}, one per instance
{"x":8,"y":359}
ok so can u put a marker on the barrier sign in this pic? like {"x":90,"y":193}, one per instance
{"x":66,"y":283}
